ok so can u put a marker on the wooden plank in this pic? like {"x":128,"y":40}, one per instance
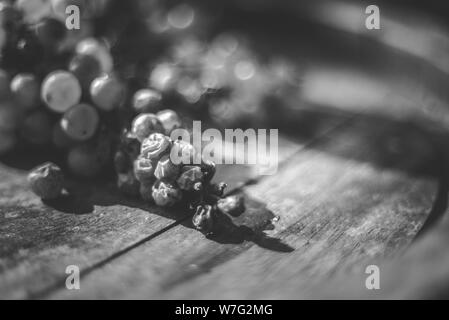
{"x":358,"y":194}
{"x":38,"y":241}
{"x":89,"y":228}
{"x":421,"y":273}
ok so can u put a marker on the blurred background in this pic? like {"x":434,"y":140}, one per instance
{"x":268,"y":55}
{"x":292,"y":65}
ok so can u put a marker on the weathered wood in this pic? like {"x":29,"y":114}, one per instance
{"x":39,"y":241}
{"x":421,"y":273}
{"x":359,"y":194}
{"x":347,"y":201}
{"x":93,"y":225}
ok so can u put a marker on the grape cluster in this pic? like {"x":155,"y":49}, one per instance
{"x":57,"y":86}
{"x":145,"y":167}
{"x":64,"y":89}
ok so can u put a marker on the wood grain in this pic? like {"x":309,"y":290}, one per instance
{"x":349,"y":198}
{"x":421,"y":273}
{"x":88,"y":228}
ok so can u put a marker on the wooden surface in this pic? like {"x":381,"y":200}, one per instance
{"x":348,"y":196}
{"x":333,"y":213}
{"x":363,"y":179}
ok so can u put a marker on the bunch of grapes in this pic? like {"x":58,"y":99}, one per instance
{"x":146,"y":167}
{"x":60,"y":88}
{"x":57,"y":86}
{"x":151,"y":165}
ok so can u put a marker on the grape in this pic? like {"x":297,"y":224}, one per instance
{"x":50,"y":32}
{"x":25,"y":88}
{"x":143,"y":170}
{"x":233,"y":205}
{"x":189,"y":177}
{"x":164,"y":77}
{"x":165,"y":194}
{"x":107,"y":92}
{"x":144,"y":125}
{"x":204,"y":218}
{"x":86,"y":68}
{"x":80,"y":122}
{"x":93,"y":47}
{"x":166,"y":170}
{"x":46,"y":181}
{"x":181,"y":16}
{"x":60,"y":91}
{"x":146,"y":100}
{"x":169,"y":119}
{"x":155,"y":146}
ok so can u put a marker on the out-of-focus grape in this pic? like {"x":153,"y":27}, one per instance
{"x":86,"y":68}
{"x":181,"y":16}
{"x":244,"y":70}
{"x":34,"y":10}
{"x":80,"y":122}
{"x":107,"y":92}
{"x":25,"y":89}
{"x":225,"y":44}
{"x":164,"y":76}
{"x":95,"y":48}
{"x":190,"y":89}
{"x":50,"y":32}
{"x":223,"y":112}
{"x":146,"y":101}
